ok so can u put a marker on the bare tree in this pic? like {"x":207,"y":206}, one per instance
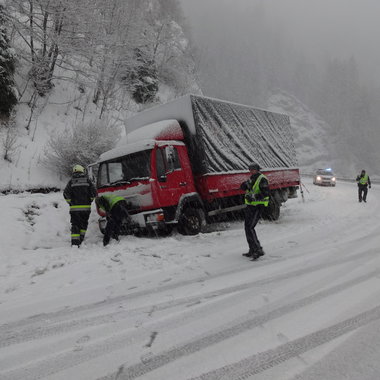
{"x":9,"y":138}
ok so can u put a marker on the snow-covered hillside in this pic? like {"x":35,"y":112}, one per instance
{"x":66,"y":108}
{"x":312,"y":136}
{"x":193,"y":307}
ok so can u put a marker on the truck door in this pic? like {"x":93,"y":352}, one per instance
{"x":170,"y":175}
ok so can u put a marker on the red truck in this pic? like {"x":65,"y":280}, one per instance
{"x":181,"y":164}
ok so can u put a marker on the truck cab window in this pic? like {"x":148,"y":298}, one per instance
{"x":115,"y":171}
{"x":102,"y":175}
{"x":136,"y":166}
{"x":160,"y":164}
{"x":172,"y":159}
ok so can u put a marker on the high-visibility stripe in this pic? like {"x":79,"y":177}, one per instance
{"x":68,"y":200}
{"x":111,"y":200}
{"x":73,"y":236}
{"x":80,"y":207}
{"x":84,"y":184}
{"x":82,"y":232}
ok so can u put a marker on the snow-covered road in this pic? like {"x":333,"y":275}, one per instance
{"x":193,"y":307}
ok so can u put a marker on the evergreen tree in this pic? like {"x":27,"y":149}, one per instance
{"x":8,"y":97}
{"x":143,"y":79}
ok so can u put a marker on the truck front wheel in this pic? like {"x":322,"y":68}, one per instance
{"x":190,"y":222}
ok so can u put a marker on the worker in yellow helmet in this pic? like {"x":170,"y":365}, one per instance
{"x":79,"y":193}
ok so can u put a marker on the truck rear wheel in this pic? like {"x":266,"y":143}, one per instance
{"x":190,"y":222}
{"x":272,"y":212}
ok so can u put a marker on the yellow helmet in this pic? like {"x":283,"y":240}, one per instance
{"x":78,"y":169}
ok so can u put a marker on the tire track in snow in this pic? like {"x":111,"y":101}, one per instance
{"x":176,"y":353}
{"x":69,"y":312}
{"x":51,"y":325}
{"x":68,"y":359}
{"x":268,"y":359}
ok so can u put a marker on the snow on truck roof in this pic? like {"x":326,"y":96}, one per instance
{"x":161,"y":130}
{"x":145,"y":138}
{"x":124,"y":150}
{"x":220,"y":136}
{"x":180,"y":109}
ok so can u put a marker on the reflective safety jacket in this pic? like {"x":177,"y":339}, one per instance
{"x":79,"y":193}
{"x":107,"y":202}
{"x":363,"y":180}
{"x":257,"y":191}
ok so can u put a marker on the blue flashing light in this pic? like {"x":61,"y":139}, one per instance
{"x":329,"y":169}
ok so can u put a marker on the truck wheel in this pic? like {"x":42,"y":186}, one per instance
{"x":272,"y":212}
{"x":190,"y":222}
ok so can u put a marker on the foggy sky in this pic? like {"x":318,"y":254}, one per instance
{"x":320,"y":28}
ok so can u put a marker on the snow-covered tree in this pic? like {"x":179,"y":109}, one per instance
{"x":118,"y":31}
{"x":81,"y":144}
{"x":142,"y":78}
{"x":8,"y":97}
{"x":94,"y":42}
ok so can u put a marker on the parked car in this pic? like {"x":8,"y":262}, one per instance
{"x":324,"y":177}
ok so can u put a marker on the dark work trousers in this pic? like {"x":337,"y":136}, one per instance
{"x":252,"y":216}
{"x":79,"y":223}
{"x":363,"y":190}
{"x":115,"y":219}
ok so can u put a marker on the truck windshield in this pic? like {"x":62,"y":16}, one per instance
{"x":123,"y":170}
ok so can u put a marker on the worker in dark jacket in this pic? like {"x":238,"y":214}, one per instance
{"x":116,"y":211}
{"x":79,"y":193}
{"x":364,"y":183}
{"x":256,"y":198}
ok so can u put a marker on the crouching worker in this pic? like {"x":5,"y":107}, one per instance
{"x":79,"y":193}
{"x":116,"y":211}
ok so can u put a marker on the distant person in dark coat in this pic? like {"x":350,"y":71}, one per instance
{"x":79,"y":193}
{"x":256,"y":198}
{"x":364,"y":183}
{"x":116,"y":211}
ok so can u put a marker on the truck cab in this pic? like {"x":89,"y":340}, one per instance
{"x":153,"y":175}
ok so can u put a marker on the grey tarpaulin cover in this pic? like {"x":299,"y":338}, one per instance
{"x":223,"y":136}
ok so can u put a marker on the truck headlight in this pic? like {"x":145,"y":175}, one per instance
{"x":333,"y":179}
{"x":319,"y":178}
{"x":154,"y":218}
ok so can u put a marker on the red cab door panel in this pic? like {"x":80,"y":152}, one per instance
{"x":172,"y":176}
